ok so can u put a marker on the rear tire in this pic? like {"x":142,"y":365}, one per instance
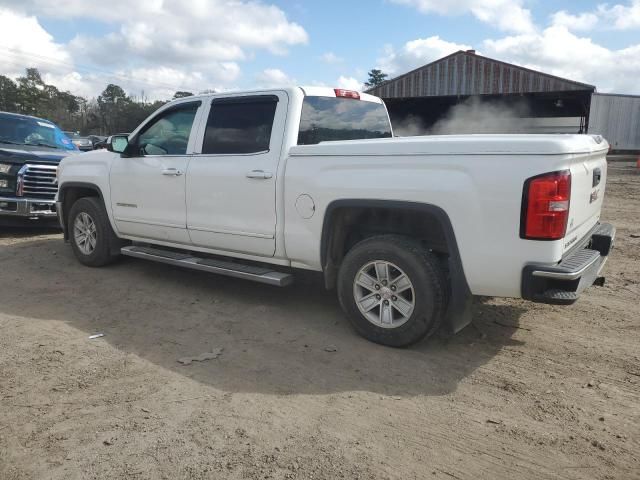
{"x":92,"y":239}
{"x":393,"y":290}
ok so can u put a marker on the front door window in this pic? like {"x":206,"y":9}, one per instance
{"x":168,"y":134}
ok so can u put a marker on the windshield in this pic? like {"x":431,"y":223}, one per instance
{"x":327,"y":118}
{"x":19,"y":130}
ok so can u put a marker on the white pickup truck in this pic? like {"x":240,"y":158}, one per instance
{"x":258,"y":184}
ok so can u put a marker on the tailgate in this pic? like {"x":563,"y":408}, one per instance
{"x":588,"y":179}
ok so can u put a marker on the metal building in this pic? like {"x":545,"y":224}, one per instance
{"x":616,"y":118}
{"x":429,"y":93}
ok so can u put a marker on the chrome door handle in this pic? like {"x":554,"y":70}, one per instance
{"x":260,"y":174}
{"x":171,"y":172}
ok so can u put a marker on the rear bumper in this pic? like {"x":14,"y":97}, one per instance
{"x":564,"y":282}
{"x":27,"y":208}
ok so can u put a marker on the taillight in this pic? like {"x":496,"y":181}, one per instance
{"x":340,"y":92}
{"x":545,"y":206}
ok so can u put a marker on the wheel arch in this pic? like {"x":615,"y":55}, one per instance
{"x":69,"y":193}
{"x":341,"y":216}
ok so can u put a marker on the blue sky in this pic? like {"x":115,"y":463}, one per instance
{"x":157,"y":46}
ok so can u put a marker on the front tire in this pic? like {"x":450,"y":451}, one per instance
{"x":90,"y":233}
{"x":393,"y":290}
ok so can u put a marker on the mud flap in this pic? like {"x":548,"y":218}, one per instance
{"x":458,"y":313}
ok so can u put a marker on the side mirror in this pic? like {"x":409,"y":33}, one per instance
{"x":118,"y":143}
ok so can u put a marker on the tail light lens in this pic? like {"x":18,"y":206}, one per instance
{"x":545,"y":206}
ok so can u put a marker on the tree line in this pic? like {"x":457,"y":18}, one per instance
{"x":113,"y":111}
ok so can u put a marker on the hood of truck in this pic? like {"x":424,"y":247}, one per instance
{"x":461,"y":145}
{"x":32,"y":153}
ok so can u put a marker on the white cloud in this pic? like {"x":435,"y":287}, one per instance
{"x":24,"y":43}
{"x":157,"y":45}
{"x":162,"y":82}
{"x":274,"y":77}
{"x":508,"y":15}
{"x":416,"y":53}
{"x":605,"y":16}
{"x":172,"y":27}
{"x":331,"y":58}
{"x":206,"y":31}
{"x":558,"y":51}
{"x":512,"y":16}
{"x":350,"y":83}
{"x":621,"y":17}
{"x":85,"y":85}
{"x":583,"y":21}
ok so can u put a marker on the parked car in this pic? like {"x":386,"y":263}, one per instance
{"x":84,"y":144}
{"x":30,"y":150}
{"x":258,"y":184}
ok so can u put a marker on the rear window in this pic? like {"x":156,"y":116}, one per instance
{"x":326,"y":118}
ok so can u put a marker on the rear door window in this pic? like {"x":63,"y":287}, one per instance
{"x":240,"y":125}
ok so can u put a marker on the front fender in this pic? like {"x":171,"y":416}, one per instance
{"x":88,"y":170}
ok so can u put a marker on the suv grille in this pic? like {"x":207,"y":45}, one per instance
{"x":38,"y":181}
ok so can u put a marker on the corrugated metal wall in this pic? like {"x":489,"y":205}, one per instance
{"x":616,"y":118}
{"x":465,"y":73}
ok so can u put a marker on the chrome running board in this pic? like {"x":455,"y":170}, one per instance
{"x":221,"y":267}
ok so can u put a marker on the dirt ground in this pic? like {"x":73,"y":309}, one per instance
{"x":528,"y":391}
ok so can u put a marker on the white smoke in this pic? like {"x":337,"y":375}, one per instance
{"x":471,"y":116}
{"x":409,"y":126}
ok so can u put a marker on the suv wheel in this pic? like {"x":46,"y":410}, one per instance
{"x":91,"y":235}
{"x":393,"y":290}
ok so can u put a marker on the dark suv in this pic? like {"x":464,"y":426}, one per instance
{"x":30,"y":150}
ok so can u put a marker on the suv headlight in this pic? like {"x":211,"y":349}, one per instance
{"x":5,"y":168}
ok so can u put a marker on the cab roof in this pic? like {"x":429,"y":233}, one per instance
{"x":309,"y":91}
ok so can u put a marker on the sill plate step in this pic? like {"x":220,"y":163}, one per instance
{"x":221,"y":267}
